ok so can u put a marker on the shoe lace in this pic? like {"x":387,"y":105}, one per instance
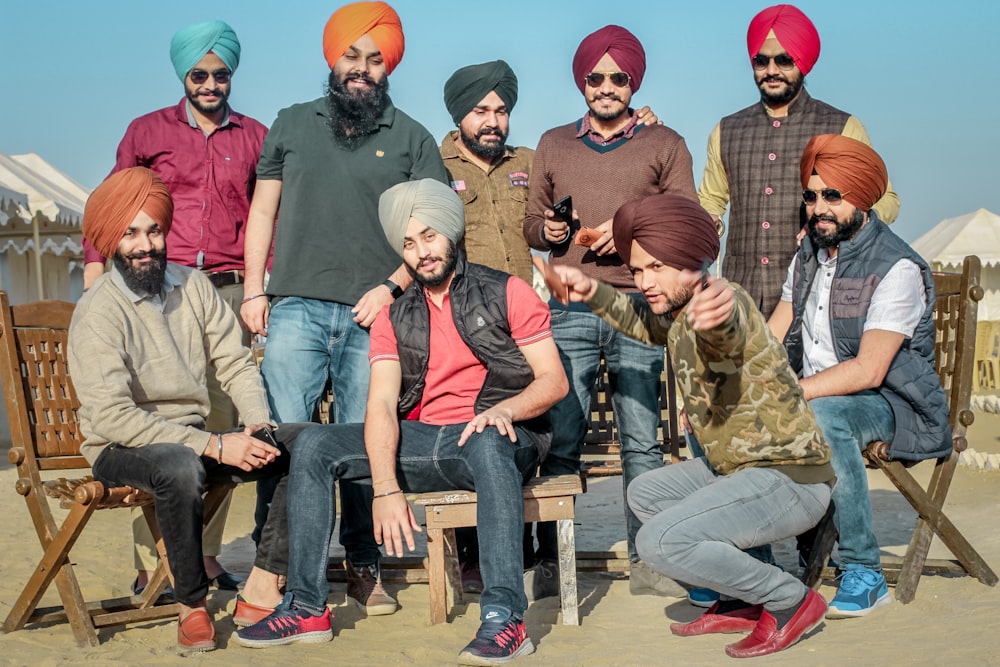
{"x":856,"y":581}
{"x":502,"y":637}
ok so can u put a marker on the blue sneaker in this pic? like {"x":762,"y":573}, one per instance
{"x":861,"y":591}
{"x":287,"y":624}
{"x":703,"y":597}
{"x":501,"y":638}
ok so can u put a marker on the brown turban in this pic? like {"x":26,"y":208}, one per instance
{"x":351,"y":22}
{"x":113,"y":206}
{"x":623,"y":47}
{"x":848,"y":165}
{"x":671,"y":228}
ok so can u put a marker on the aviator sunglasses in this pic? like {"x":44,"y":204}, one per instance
{"x":831,"y":196}
{"x":784,"y":61}
{"x":200,"y":76}
{"x":619,"y":79}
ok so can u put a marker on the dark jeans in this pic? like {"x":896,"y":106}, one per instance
{"x":428,"y":459}
{"x":176,"y":476}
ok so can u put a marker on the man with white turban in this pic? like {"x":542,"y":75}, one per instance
{"x":463,"y":371}
{"x":200,"y":140}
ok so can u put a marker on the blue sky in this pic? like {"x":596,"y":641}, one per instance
{"x":921,"y":76}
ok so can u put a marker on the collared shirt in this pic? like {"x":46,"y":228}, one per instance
{"x":587,"y":130}
{"x":211,"y":179}
{"x":494,"y":206}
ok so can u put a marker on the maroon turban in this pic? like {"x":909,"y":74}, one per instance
{"x":848,"y":165}
{"x":671,"y":228}
{"x":617,"y":42}
{"x":112,"y":207}
{"x":792,"y":28}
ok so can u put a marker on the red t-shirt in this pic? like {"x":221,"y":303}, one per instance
{"x":454,"y":375}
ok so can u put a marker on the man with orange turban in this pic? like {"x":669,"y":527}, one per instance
{"x":855,"y":315}
{"x":765,"y":473}
{"x":140,"y":344}
{"x":601,"y":160}
{"x":323,"y":167}
{"x":753,"y":155}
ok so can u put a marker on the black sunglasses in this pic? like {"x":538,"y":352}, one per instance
{"x":200,"y":76}
{"x":831,"y":196}
{"x":595,"y":79}
{"x":784,"y":61}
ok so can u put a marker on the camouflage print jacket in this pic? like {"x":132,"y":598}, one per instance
{"x":741,"y":396}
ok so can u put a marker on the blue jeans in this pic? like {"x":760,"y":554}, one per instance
{"x":634,"y":371}
{"x":697,"y":526}
{"x":428,"y":459}
{"x":849,"y":423}
{"x":308,"y":341}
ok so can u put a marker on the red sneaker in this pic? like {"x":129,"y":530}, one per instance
{"x":712,"y":621}
{"x":766,"y":638}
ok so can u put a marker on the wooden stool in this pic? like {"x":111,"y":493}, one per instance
{"x":545,"y":499}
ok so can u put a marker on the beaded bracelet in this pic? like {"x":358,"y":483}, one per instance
{"x":388,"y":493}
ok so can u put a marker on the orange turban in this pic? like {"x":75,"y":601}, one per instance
{"x":670,"y":227}
{"x":113,"y":206}
{"x":848,"y":165}
{"x":353,"y":21}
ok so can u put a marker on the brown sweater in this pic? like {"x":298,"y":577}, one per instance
{"x":600,"y":179}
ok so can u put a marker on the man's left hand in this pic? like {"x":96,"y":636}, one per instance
{"x":712,"y":304}
{"x":496,"y":416}
{"x":371,"y":304}
{"x":645,"y":116}
{"x":606,"y":244}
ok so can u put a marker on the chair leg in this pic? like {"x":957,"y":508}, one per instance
{"x":453,"y":572}
{"x":567,"y":571}
{"x":824,"y":537}
{"x":436,"y":575}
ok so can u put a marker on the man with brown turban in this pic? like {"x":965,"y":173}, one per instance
{"x":867,"y":367}
{"x":765,"y":474}
{"x":602,"y":160}
{"x":140,"y":344}
{"x":753,"y":155}
{"x":322,"y":168}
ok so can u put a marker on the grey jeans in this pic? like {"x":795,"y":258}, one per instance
{"x":696,"y":525}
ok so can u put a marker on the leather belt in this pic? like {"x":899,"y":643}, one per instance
{"x":225,"y":278}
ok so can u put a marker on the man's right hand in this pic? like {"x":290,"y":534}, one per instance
{"x":254,"y":314}
{"x":393,"y":522}
{"x":555,"y":231}
{"x":581,"y":286}
{"x":242,"y":451}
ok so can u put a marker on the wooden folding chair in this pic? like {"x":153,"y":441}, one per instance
{"x":955,"y":310}
{"x":42,"y":410}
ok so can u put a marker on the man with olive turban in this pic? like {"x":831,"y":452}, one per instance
{"x":140,"y":344}
{"x":753,"y":155}
{"x":765,"y":474}
{"x":200,"y":140}
{"x":855,"y":315}
{"x":463,"y":371}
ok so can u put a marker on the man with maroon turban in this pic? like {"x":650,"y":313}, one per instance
{"x":765,"y":474}
{"x":855,"y":315}
{"x":140,"y":344}
{"x":602,"y":160}
{"x":753,"y":155}
{"x":321,"y":171}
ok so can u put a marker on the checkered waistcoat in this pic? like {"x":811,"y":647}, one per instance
{"x":761,"y":156}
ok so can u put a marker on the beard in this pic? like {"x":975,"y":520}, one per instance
{"x":791,"y":91}
{"x":353,"y":116}
{"x":672,"y":302}
{"x":486,"y":150}
{"x":146,"y":278}
{"x":844,"y":231}
{"x":439,"y":277}
{"x":607,"y":115}
{"x":208,"y":108}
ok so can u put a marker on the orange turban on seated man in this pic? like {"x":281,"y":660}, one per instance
{"x":113,"y":206}
{"x":351,"y":22}
{"x":848,"y":165}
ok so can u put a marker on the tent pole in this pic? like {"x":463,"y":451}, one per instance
{"x":38,"y":257}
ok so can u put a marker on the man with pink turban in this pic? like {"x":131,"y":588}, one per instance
{"x":140,"y":344}
{"x":602,"y":160}
{"x":753,"y":155}
{"x":765,"y":473}
{"x":855,"y":315}
{"x":322,"y":169}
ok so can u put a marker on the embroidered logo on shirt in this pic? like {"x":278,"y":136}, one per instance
{"x":480,"y":322}
{"x":518,"y":179}
{"x":458,"y":186}
{"x":380,"y":153}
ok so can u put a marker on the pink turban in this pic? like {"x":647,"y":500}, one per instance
{"x":848,"y":165}
{"x":792,"y":28}
{"x":112,"y":207}
{"x":671,"y":228}
{"x":617,"y":42}
{"x":351,"y":22}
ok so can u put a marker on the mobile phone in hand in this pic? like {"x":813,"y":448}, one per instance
{"x":563,"y":209}
{"x":264,"y":435}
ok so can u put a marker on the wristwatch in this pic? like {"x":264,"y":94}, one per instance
{"x":394,"y":289}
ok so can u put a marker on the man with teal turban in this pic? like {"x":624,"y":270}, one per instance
{"x":199,"y":140}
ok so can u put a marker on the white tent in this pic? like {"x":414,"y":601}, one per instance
{"x":976,"y":233}
{"x":41,"y":256}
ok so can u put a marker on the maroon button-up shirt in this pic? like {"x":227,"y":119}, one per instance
{"x":211,"y":180}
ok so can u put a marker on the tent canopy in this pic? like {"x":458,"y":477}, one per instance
{"x":949,"y":241}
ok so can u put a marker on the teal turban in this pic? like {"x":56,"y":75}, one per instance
{"x":468,"y":86}
{"x":190,"y":45}
{"x":430,"y":201}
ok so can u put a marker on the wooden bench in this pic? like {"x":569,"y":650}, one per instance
{"x":545,"y":499}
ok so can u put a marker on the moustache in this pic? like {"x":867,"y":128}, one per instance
{"x":143,"y":255}
{"x":359,"y":76}
{"x":489,"y":132}
{"x":607,"y":96}
{"x":773,"y":78}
